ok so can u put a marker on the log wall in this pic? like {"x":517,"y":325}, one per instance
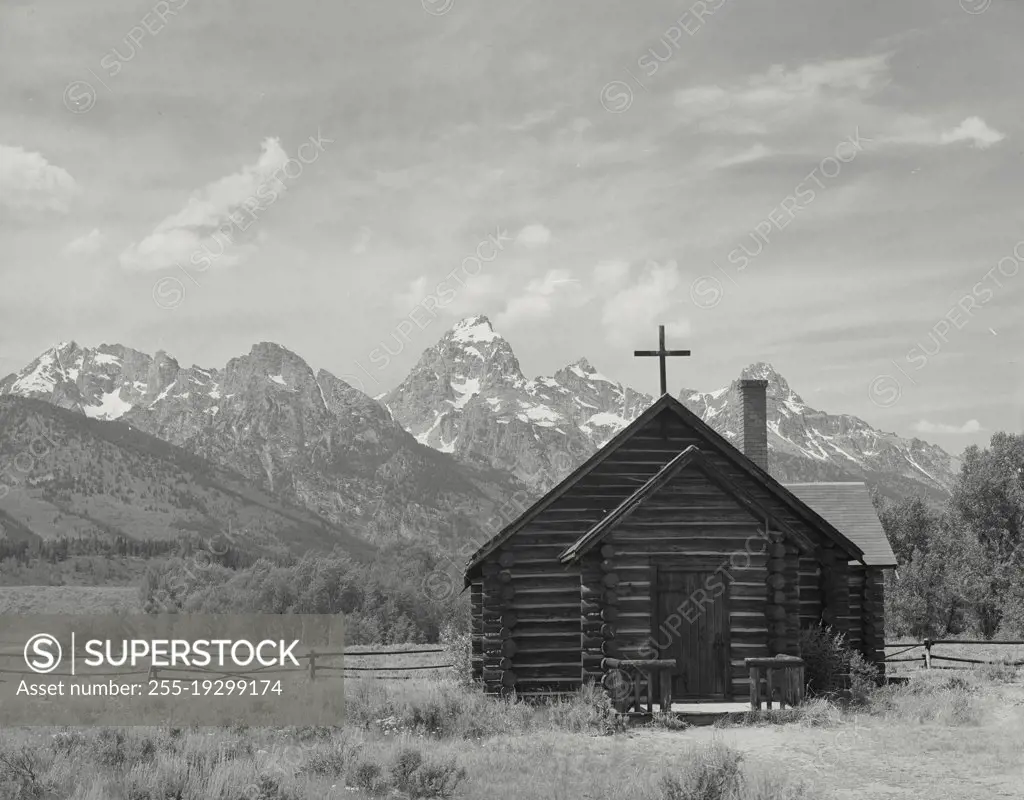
{"x":691,"y":523}
{"x":873,"y":616}
{"x":853,"y":620}
{"x":810,"y":592}
{"x":476,"y":603}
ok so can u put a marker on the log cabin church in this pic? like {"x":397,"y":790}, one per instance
{"x":671,"y":543}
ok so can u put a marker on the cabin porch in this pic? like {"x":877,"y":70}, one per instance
{"x":633,"y":684}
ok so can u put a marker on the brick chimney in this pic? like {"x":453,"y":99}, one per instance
{"x":753,"y":433}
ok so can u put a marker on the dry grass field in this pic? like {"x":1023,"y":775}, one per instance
{"x":954,"y":736}
{"x":68,"y":599}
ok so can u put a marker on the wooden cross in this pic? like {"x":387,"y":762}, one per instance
{"x":661,"y":353}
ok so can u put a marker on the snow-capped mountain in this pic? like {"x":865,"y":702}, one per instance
{"x":805,"y":444}
{"x":467,"y":396}
{"x":436,"y":455}
{"x":103,"y":383}
{"x":307,"y":437}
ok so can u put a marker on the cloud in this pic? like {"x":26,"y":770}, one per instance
{"x":780,"y":98}
{"x":971,"y":426}
{"x":85,"y":245}
{"x":723,"y":160}
{"x":630,"y":314}
{"x":29,"y":181}
{"x":804,"y":101}
{"x":535,"y":235}
{"x":974,"y":130}
{"x":917,"y":130}
{"x":207,"y":230}
{"x":542,"y":297}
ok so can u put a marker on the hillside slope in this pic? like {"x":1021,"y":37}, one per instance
{"x":67,"y":475}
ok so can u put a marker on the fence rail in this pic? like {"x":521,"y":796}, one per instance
{"x":928,"y":657}
{"x":314,"y":666}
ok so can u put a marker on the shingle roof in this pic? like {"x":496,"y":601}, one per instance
{"x":849,"y":508}
{"x":714,"y":439}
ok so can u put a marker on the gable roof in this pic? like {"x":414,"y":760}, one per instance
{"x":715,"y":440}
{"x":848,"y":507}
{"x":691,"y":456}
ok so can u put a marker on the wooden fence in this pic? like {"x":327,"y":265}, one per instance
{"x":927,"y":657}
{"x":315,"y":663}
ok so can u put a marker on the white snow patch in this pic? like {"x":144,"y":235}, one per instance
{"x":213,"y":410}
{"x":793,"y":406}
{"x":718,"y":393}
{"x":214,"y":393}
{"x":606,"y":418}
{"x":164,"y":393}
{"x":465,"y":391}
{"x":106,"y":358}
{"x":424,"y":438}
{"x":540,"y":415}
{"x":111,"y":406}
{"x":38,"y":380}
{"x":913,"y":463}
{"x":473,"y":329}
{"x":73,"y":373}
{"x":278,"y":379}
{"x":588,"y":405}
{"x":473,"y":351}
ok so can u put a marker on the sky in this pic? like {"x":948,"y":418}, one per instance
{"x":826,"y":186}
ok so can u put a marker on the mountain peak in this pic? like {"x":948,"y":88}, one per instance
{"x":473,"y":329}
{"x":777,"y":385}
{"x":760,"y":370}
{"x":583,"y":364}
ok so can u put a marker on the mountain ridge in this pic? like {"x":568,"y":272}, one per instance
{"x":435,"y":455}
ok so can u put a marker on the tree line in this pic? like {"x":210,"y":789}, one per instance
{"x":961,"y":567}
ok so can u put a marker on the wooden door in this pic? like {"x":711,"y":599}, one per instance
{"x":692,"y":627}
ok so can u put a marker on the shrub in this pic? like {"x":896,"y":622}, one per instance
{"x":331,"y":761}
{"x":21,"y":774}
{"x":406,"y":763}
{"x":457,"y":644}
{"x":114,"y":748}
{"x":833,"y":669}
{"x":437,"y":779}
{"x":588,"y":710}
{"x":367,"y":776}
{"x":442,"y":709}
{"x":712,"y":774}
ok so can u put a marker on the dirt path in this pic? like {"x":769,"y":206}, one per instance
{"x":873,"y":757}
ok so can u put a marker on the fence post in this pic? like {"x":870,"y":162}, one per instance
{"x":312,"y":665}
{"x":927,"y":653}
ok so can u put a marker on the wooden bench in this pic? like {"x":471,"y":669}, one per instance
{"x":642,"y":673}
{"x":784,"y":674}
